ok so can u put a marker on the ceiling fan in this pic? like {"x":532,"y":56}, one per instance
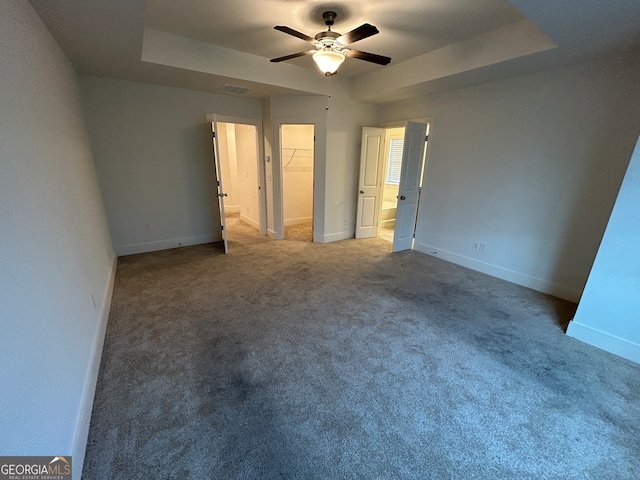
{"x":332,"y":47}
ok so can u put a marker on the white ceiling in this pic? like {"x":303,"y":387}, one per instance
{"x":417,"y":27}
{"x":434,"y":44}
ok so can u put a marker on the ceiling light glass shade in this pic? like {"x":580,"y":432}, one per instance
{"x":328,"y":61}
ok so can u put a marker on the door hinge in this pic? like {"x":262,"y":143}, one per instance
{"x":213,"y":134}
{"x":221,"y":227}
{"x":426,"y":139}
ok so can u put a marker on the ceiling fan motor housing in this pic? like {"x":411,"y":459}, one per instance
{"x":329,"y":18}
{"x":327,"y":38}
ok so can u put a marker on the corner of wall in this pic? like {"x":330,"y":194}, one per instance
{"x":518,"y":278}
{"x":86,"y":407}
{"x":618,"y":346}
{"x":169,"y":243}
{"x":333,"y":237}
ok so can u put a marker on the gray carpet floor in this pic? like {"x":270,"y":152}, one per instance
{"x":294,"y":360}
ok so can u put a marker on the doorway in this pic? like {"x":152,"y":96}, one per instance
{"x":239,"y":175}
{"x":392,"y":166}
{"x":297,"y":160}
{"x":394,"y":143}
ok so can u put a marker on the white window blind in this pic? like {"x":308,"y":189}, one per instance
{"x":394,"y":162}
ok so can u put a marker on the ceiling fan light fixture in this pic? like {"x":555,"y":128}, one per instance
{"x":328,"y":61}
{"x":333,"y":47}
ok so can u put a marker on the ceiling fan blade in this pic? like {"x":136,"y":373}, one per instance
{"x":363,"y":31}
{"x":293,"y":55}
{"x":295,"y":33}
{"x":368,"y":57}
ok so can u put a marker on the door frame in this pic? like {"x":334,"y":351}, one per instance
{"x":281,"y":126}
{"x":430,"y":122}
{"x":260,"y":163}
{"x":277,"y":177}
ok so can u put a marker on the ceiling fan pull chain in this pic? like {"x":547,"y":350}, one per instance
{"x":329,"y":93}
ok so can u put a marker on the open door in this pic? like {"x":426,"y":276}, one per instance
{"x":410,"y":183}
{"x":370,"y":182}
{"x":219,"y":192}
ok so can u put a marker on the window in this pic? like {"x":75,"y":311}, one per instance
{"x":394,"y":162}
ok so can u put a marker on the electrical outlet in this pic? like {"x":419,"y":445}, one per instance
{"x":345,"y":222}
{"x":147,"y":227}
{"x":475,"y":246}
{"x":483,"y":247}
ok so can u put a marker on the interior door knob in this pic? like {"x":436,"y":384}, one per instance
{"x":402,"y":197}
{"x":361,"y":191}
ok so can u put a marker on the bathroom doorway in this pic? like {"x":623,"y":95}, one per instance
{"x":394,"y":141}
{"x":392,"y":163}
{"x":239,"y":175}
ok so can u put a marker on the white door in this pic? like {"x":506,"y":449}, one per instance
{"x":409,"y":188}
{"x":370,"y":182}
{"x":219,"y":192}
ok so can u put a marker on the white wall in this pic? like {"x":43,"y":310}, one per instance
{"x":299,"y":110}
{"x":609,"y":310}
{"x":229,"y":166}
{"x":152,"y":149}
{"x":267,"y":132}
{"x":390,"y":193}
{"x":247,"y":174}
{"x":337,"y":150}
{"x":344,"y":132}
{"x":55,"y":250}
{"x":531,"y":166}
{"x":297,"y":174}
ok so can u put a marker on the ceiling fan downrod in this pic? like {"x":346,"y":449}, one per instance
{"x":327,"y":38}
{"x":329,"y":18}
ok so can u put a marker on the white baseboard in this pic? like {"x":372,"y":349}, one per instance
{"x":166,"y":244}
{"x":231,"y":208}
{"x":605,"y":341}
{"x":333,"y":237}
{"x":297,"y":221}
{"x":250,"y":222}
{"x":518,"y":278}
{"x":91,"y":380}
{"x":387,"y":222}
{"x":271,"y":233}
